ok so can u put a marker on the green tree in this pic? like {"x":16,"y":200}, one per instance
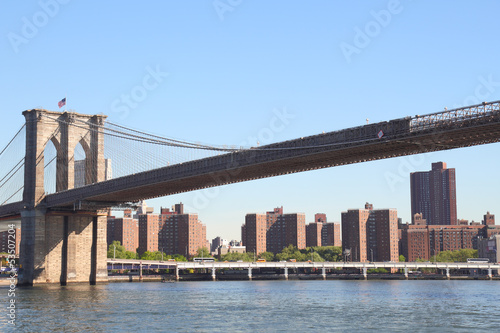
{"x":148,"y":255}
{"x":203,"y":252}
{"x":380,"y":270}
{"x":329,"y":253}
{"x":316,"y":257}
{"x":269,"y":256}
{"x":157,"y":255}
{"x":402,"y":258}
{"x":235,"y":256}
{"x":179,"y":257}
{"x":4,"y":256}
{"x":426,"y":270}
{"x":463,"y":254}
{"x":131,"y":255}
{"x":291,"y":252}
{"x":116,"y":250}
{"x":457,"y":255}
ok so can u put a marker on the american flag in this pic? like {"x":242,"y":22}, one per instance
{"x":62,"y":102}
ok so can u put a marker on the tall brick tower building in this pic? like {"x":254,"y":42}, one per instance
{"x":433,"y":194}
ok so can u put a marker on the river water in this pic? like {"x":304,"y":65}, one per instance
{"x":258,"y":306}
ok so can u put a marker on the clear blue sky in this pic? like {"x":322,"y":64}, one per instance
{"x":233,"y":64}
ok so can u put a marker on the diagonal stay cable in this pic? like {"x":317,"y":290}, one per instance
{"x":160,"y":137}
{"x":10,"y":142}
{"x":3,"y":203}
{"x":12,"y":173}
{"x":128,"y":136}
{"x":148,"y":136}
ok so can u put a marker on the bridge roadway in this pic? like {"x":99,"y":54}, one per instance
{"x":293,"y":265}
{"x":474,"y":125}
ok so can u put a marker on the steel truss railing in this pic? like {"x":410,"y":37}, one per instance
{"x":454,"y":116}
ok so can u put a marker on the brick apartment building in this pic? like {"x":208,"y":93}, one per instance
{"x":320,"y":217}
{"x":425,"y":241}
{"x":15,"y":240}
{"x":289,"y":229}
{"x":148,"y":232}
{"x":253,"y":233}
{"x":490,"y":248}
{"x":313,"y":234}
{"x":322,"y":233}
{"x":172,"y":232}
{"x":488,"y":219}
{"x":273,"y":231}
{"x":433,"y":194}
{"x":370,"y":234}
{"x":272,"y":216}
{"x":125,"y":230}
{"x":181,"y":234}
{"x":331,"y":234}
{"x":218,"y":242}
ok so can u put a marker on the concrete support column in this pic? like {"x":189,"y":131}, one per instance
{"x":490,"y":273}
{"x":36,"y":138}
{"x":32,"y":257}
{"x":65,"y":160}
{"x":406,"y":272}
{"x":286,"y":273}
{"x":250,"y":273}
{"x":62,"y":249}
{"x":86,"y":248}
{"x":176,"y":273}
{"x":100,"y":244}
{"x":95,"y":162}
{"x":214,"y":273}
{"x":140,"y":271}
{"x":323,"y":273}
{"x":447,"y":273}
{"x":365,"y":274}
{"x":64,"y":254}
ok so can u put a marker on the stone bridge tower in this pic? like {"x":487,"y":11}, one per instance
{"x":61,"y":245}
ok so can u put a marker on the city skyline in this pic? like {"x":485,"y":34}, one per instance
{"x":310,"y":214}
{"x":238,"y":78}
{"x":283,"y":209}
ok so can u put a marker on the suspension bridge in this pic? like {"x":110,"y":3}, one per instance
{"x":61,"y":171}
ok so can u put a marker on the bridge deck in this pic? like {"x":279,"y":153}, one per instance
{"x":475,"y":125}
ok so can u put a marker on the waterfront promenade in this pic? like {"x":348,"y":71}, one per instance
{"x":321,"y":269}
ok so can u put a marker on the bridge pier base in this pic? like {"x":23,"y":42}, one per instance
{"x":286,"y":273}
{"x":447,"y":273}
{"x":490,"y":274}
{"x":62,"y":248}
{"x":365,"y":274}
{"x":406,"y":273}
{"x":176,"y":273}
{"x":250,"y":273}
{"x":214,"y":274}
{"x":323,"y":273}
